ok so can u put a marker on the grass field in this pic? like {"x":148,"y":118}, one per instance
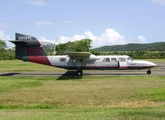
{"x":72,"y":97}
{"x":18,"y":65}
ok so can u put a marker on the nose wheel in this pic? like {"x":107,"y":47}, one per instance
{"x":148,"y":71}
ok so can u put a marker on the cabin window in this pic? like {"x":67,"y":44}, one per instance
{"x":106,"y":60}
{"x":63,"y":59}
{"x":113,"y":59}
{"x":129,"y":58}
{"x":122,"y":60}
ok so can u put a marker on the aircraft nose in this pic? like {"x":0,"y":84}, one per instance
{"x":152,"y":64}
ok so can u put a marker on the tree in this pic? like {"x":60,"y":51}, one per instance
{"x":4,"y":53}
{"x":83,"y":45}
{"x":2,"y":45}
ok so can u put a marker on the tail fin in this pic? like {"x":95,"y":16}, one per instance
{"x":26,"y":45}
{"x":23,"y":37}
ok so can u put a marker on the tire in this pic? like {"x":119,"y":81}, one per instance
{"x":149,"y":72}
{"x":79,"y":73}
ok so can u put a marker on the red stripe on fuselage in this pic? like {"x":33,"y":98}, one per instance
{"x":40,"y":59}
{"x":105,"y":67}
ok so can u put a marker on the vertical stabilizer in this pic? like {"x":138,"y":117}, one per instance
{"x":26,"y":45}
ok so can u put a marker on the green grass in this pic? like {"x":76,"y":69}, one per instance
{"x":157,"y":94}
{"x":85,"y":114}
{"x":82,"y":98}
{"x":97,"y":97}
{"x":18,"y":66}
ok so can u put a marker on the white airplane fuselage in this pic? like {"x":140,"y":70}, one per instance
{"x":121,"y":62}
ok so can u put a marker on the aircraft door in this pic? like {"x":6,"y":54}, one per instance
{"x":122,"y":63}
{"x":106,"y":63}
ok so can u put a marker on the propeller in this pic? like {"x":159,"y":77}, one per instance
{"x":54,"y":47}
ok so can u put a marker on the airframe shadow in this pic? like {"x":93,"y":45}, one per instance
{"x":9,"y":74}
{"x":114,"y":73}
{"x":69,"y":75}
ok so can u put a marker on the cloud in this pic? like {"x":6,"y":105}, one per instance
{"x":42,"y":22}
{"x":3,"y":36}
{"x":142,"y":39}
{"x":160,"y":2}
{"x":36,"y":2}
{"x":42,"y":38}
{"x":109,"y":37}
{"x":6,"y":37}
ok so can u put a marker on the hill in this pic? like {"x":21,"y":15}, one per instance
{"x":158,"y":46}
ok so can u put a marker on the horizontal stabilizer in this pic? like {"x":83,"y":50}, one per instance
{"x":19,"y":43}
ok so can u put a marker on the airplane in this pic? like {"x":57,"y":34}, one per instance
{"x":29,"y":48}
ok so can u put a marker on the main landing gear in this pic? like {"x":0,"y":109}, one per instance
{"x":149,"y":71}
{"x":79,"y":72}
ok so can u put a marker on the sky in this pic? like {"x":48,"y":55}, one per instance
{"x":105,"y":22}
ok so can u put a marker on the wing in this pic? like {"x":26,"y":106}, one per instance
{"x":79,"y":55}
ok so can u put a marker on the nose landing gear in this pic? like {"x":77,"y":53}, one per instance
{"x":149,"y":71}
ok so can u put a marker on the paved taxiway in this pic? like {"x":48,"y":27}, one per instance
{"x":159,"y":70}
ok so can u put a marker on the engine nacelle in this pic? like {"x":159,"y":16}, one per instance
{"x":90,"y":58}
{"x":47,"y":43}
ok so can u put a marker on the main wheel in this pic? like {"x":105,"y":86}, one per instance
{"x":148,"y":71}
{"x":79,"y":73}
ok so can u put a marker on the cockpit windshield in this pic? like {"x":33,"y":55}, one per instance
{"x":129,"y":58}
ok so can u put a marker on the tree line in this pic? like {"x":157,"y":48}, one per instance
{"x":136,"y":54}
{"x":84,"y":45}
{"x":157,"y":46}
